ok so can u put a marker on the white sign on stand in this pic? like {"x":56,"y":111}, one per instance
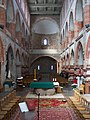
{"x":23,"y":107}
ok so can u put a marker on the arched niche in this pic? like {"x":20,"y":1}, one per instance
{"x":45,"y":26}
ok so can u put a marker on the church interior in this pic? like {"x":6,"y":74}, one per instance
{"x":44,"y":59}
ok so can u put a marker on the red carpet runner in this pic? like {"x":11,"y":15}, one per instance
{"x":56,"y":114}
{"x":53,"y":109}
{"x":46,"y":102}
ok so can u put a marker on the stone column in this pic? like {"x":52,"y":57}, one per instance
{"x":70,"y":36}
{"x":86,"y":14}
{"x":78,"y":26}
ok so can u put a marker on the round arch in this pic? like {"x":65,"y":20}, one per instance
{"x":44,"y":63}
{"x":44,"y":26}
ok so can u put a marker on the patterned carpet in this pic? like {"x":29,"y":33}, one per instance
{"x":56,"y":114}
{"x":53,"y":109}
{"x":49,"y":103}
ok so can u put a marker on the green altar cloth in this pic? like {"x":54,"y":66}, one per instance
{"x":45,"y":85}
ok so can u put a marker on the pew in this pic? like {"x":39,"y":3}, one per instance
{"x":8,"y":105}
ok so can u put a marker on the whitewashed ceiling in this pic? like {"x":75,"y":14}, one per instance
{"x":45,"y":7}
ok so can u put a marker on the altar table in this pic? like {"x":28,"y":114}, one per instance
{"x":44,"y":85}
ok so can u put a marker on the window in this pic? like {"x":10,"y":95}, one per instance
{"x":45,"y":42}
{"x":52,"y":67}
{"x":38,"y":67}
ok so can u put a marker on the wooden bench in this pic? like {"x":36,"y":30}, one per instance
{"x":81,"y":104}
{"x":8,"y":104}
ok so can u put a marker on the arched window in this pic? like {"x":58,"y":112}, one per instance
{"x":45,"y":42}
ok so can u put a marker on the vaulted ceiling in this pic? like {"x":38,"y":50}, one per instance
{"x":45,"y":7}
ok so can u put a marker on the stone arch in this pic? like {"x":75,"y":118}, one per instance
{"x":79,"y":54}
{"x":45,"y":63}
{"x":10,"y":62}
{"x":79,"y":10}
{"x":10,"y":11}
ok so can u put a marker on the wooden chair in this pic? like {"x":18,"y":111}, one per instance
{"x":59,"y":89}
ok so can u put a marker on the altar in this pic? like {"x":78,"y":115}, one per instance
{"x":43,"y":88}
{"x":43,"y":85}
